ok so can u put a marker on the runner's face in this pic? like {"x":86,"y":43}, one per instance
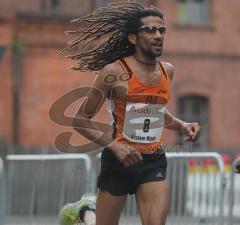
{"x":148,"y":42}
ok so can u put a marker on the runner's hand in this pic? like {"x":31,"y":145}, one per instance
{"x":126,"y":155}
{"x":191,"y":130}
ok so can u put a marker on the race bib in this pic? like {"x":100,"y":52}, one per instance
{"x":143,"y":123}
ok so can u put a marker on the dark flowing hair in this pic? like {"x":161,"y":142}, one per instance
{"x":103,"y":34}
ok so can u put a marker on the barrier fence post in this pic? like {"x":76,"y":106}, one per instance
{"x":231,"y":193}
{"x":2,"y":193}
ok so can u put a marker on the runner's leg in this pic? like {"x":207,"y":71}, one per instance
{"x":152,"y":200}
{"x":109,"y":208}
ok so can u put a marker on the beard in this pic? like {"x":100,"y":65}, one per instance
{"x":152,"y":52}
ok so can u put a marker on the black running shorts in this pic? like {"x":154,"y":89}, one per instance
{"x":117,"y":179}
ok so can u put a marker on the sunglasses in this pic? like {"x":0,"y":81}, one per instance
{"x":151,"y":29}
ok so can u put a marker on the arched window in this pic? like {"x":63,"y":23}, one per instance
{"x":194,"y":108}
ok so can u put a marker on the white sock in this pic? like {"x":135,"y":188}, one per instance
{"x":89,"y":217}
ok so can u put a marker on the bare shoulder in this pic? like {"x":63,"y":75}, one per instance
{"x":169,"y":69}
{"x":109,"y":74}
{"x":112,"y":68}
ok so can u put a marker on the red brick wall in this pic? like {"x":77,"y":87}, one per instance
{"x":218,"y":81}
{"x":205,"y":59}
{"x":41,"y":87}
{"x":6,"y":33}
{"x":46,"y":77}
{"x":220,"y":36}
{"x":72,"y":7}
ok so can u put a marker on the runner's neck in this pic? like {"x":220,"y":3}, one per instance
{"x":145,"y":63}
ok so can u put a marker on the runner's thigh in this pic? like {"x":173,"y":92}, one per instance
{"x":152,"y":200}
{"x":109,"y":208}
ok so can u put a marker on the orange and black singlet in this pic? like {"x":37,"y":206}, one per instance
{"x":138,"y":119}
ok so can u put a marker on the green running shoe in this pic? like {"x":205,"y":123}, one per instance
{"x":72,"y":213}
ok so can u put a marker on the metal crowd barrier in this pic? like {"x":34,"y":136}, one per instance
{"x":196,"y":190}
{"x":234,"y":196}
{"x":2,"y":193}
{"x":39,"y":185}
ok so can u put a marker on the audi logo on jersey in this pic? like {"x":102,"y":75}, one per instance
{"x":141,"y":110}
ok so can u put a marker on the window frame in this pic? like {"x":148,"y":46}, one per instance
{"x":189,"y":24}
{"x":203,"y":142}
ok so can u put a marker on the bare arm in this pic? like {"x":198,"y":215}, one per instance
{"x":172,"y":122}
{"x":84,"y":124}
{"x":82,"y":121}
{"x":191,"y":130}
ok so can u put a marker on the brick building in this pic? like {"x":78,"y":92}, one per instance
{"x":201,"y":42}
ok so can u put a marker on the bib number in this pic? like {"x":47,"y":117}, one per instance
{"x":143,"y":123}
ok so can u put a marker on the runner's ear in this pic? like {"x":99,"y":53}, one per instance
{"x":132,"y":39}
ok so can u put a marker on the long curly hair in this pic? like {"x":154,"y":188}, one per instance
{"x":103,"y":34}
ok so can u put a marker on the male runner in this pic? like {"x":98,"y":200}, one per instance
{"x":125,"y":41}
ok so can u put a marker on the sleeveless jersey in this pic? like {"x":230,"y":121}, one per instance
{"x":138,"y":118}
